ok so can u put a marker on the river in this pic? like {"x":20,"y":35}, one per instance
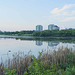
{"x":31,"y":45}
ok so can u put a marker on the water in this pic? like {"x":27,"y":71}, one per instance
{"x":11,"y":45}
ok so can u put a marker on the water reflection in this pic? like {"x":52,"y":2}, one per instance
{"x":10,"y":45}
{"x":52,"y":44}
{"x":39,"y":43}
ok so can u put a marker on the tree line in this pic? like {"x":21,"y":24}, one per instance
{"x":16,"y":33}
{"x":44,"y":33}
{"x":55,"y":33}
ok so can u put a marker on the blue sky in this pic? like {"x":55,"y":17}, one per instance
{"x":26,"y":14}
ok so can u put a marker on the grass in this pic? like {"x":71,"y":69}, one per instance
{"x":60,"y":62}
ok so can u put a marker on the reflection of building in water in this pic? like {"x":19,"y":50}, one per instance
{"x":53,"y":44}
{"x":39,"y":43}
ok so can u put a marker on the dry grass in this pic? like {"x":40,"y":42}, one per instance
{"x":58,"y":57}
{"x":20,"y":62}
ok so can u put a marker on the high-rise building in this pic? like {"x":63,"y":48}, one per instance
{"x":53,"y":27}
{"x":39,"y":28}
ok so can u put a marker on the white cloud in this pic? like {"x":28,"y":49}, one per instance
{"x":62,"y":10}
{"x":68,"y":19}
{"x":67,"y":11}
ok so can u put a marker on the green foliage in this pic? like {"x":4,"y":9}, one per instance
{"x":45,"y":33}
{"x":38,"y":67}
{"x":37,"y":33}
{"x":16,"y":33}
{"x":70,"y":60}
{"x":55,"y":33}
{"x":25,"y":73}
{"x":70,"y":71}
{"x":10,"y":72}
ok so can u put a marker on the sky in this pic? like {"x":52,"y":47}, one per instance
{"x":17,"y":15}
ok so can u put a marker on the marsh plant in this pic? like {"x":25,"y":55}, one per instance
{"x":60,"y":62}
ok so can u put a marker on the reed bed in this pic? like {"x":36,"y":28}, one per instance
{"x":61,"y":56}
{"x":20,"y":61}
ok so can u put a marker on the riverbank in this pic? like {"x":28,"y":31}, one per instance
{"x":36,"y":38}
{"x":27,"y":36}
{"x":59,"y":62}
{"x":44,"y":33}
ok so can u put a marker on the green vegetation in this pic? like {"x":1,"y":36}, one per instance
{"x":45,"y":33}
{"x":61,"y":62}
{"x":55,"y":33}
{"x":17,"y":33}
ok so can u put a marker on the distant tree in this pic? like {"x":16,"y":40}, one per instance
{"x":55,"y":33}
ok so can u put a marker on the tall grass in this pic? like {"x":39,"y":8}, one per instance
{"x":63,"y":58}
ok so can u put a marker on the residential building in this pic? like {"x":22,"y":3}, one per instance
{"x":39,"y":28}
{"x":53,"y":27}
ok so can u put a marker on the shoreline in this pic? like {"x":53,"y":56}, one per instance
{"x":11,"y":36}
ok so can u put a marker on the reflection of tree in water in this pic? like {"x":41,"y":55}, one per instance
{"x":39,"y":43}
{"x":52,"y":44}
